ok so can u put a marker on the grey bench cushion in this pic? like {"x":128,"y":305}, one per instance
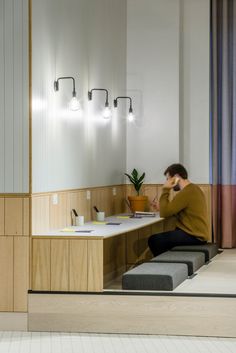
{"x":155,"y":276}
{"x":210,"y":250}
{"x":194,"y":260}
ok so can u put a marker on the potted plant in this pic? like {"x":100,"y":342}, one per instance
{"x":138,"y":202}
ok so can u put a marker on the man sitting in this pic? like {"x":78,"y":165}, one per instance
{"x":189,"y":208}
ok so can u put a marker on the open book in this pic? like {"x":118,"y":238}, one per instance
{"x":145,"y":214}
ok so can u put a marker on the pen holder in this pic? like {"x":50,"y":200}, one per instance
{"x":79,"y":221}
{"x":100,"y":216}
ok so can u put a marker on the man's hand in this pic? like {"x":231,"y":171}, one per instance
{"x":155,"y":205}
{"x":170,"y":183}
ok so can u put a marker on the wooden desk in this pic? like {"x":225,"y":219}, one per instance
{"x":71,"y":261}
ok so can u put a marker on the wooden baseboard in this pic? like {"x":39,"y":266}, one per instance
{"x":13,"y":322}
{"x":134,"y":314}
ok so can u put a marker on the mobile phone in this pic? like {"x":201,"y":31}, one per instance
{"x":176,"y":186}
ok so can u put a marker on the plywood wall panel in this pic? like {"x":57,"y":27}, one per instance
{"x":26,"y":216}
{"x":59,"y":265}
{"x":57,"y":216}
{"x":21,"y":273}
{"x":143,"y":249}
{"x":95,"y":265}
{"x":41,"y":264}
{"x":6,"y":273}
{"x":132,"y":253}
{"x":2,"y":216}
{"x":118,"y":200}
{"x":78,"y":265}
{"x":151,"y":191}
{"x":102,"y":199}
{"x":14,"y":216}
{"x":79,"y":202}
{"x":40,"y":214}
{"x":114,"y":257}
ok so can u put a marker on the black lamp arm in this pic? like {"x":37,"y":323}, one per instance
{"x":124,"y":97}
{"x":90,"y":94}
{"x":56,"y":84}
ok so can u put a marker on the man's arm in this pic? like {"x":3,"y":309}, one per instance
{"x":171,"y":208}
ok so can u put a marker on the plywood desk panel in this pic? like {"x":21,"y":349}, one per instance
{"x":71,"y":261}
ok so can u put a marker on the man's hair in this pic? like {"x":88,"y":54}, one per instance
{"x":177,"y":169}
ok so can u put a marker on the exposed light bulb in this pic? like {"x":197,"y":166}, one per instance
{"x":106,"y":113}
{"x":74,"y":104}
{"x":131,"y":117}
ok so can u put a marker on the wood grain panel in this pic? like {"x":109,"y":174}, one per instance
{"x":118,"y":200}
{"x":78,"y":265}
{"x":59,"y":265}
{"x":95,"y":265}
{"x":13,"y":216}
{"x":151,"y":191}
{"x":135,"y":314}
{"x":57,"y":215}
{"x":143,"y":249}
{"x":2,"y":217}
{"x":102,"y":198}
{"x":130,"y":191}
{"x":21,"y":273}
{"x":26,"y":217}
{"x":40,"y":214}
{"x":79,"y":202}
{"x":114,"y":257}
{"x":157,"y":227}
{"x":41,"y":264}
{"x":132,"y":253}
{"x":137,"y":249}
{"x":6,"y":273}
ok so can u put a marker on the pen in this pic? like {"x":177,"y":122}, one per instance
{"x":75,"y":213}
{"x":96,"y":209}
{"x":128,"y":204}
{"x":155,"y":198}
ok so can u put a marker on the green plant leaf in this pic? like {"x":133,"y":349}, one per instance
{"x":135,"y":179}
{"x":134,"y":173}
{"x":141,"y":178}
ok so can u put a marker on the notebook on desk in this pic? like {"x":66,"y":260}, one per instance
{"x":139,"y":214}
{"x":145,"y":214}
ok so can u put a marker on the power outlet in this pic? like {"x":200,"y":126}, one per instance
{"x":88,"y":195}
{"x":55,"y":199}
{"x":114,"y":191}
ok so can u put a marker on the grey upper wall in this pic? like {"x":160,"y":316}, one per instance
{"x":86,"y":40}
{"x":168,"y":51}
{"x":14,"y":113}
{"x":168,"y":76}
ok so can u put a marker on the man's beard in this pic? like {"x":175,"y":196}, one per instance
{"x":176,"y":187}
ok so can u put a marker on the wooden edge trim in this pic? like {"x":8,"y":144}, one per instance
{"x":75,"y":237}
{"x":35,"y":194}
{"x":15,"y":195}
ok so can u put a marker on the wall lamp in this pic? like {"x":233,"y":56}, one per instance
{"x":107,"y":110}
{"x":74,"y":102}
{"x":131,"y":116}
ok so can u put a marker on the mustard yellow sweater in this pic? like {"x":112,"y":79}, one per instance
{"x":189,"y":207}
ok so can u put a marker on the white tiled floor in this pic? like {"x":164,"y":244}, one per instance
{"x":46,"y":342}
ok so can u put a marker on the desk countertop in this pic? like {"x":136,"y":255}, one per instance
{"x":101,"y":230}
